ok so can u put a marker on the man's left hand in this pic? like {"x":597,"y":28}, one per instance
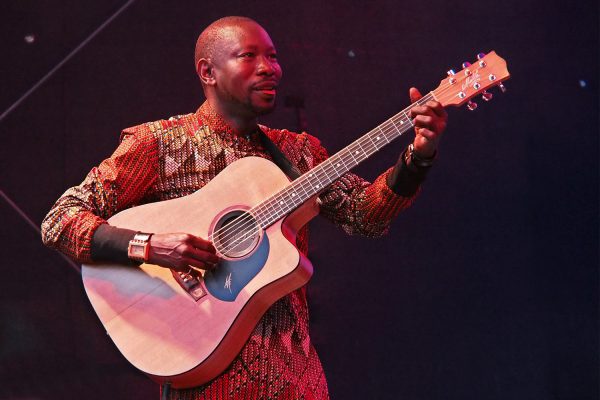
{"x":430,"y":121}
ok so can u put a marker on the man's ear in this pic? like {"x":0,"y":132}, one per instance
{"x":205,"y":69}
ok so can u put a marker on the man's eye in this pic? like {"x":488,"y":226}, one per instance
{"x":273,"y":56}
{"x":247,"y":55}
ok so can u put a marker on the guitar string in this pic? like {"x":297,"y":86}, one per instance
{"x":246,"y":220}
{"x":264,"y":211}
{"x":343,"y":155}
{"x":267,"y":212}
{"x":264,"y":207}
{"x":359,"y":143}
{"x":252,"y":217}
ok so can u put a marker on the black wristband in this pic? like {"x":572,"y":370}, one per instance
{"x":110,"y":243}
{"x":411,"y":159}
{"x":404,"y":180}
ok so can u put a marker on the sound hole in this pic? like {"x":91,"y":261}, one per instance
{"x":236,"y":234}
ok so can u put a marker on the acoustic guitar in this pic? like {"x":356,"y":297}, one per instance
{"x":185,"y":329}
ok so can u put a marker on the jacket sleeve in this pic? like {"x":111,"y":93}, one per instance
{"x":363,"y":208}
{"x":356,"y":205}
{"x":118,"y":182}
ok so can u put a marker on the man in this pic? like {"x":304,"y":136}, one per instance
{"x":237,"y":65}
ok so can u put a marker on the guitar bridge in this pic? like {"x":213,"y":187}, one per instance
{"x":190,"y":282}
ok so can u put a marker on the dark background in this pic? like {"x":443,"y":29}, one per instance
{"x":487,"y":288}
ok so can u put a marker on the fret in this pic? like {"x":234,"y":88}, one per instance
{"x":311,"y":178}
{"x":424,"y":99}
{"x":299,"y":183}
{"x":362,"y":152}
{"x":433,"y":96}
{"x":264,"y":211}
{"x":322,"y":173}
{"x":382,"y":136}
{"x":329,"y":176}
{"x":260,"y":213}
{"x":341,"y":162}
{"x":405,"y":117}
{"x":371,"y":147}
{"x":350,"y":151}
{"x":291,"y":195}
{"x":318,"y":186}
{"x":279,"y":201}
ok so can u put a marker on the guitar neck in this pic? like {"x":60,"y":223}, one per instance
{"x":319,"y":178}
{"x":457,"y":89}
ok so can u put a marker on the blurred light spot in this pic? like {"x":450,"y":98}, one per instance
{"x":29,"y":39}
{"x":582,"y":83}
{"x":351,"y":54}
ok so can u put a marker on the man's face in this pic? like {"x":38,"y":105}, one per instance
{"x":246,"y":71}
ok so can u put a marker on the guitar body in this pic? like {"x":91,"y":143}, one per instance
{"x":156,"y":324}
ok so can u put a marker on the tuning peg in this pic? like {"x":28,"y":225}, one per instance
{"x":466,"y":64}
{"x":502,"y":87}
{"x":471,"y":105}
{"x":487,"y":96}
{"x":451,"y":72}
{"x":481,"y":62}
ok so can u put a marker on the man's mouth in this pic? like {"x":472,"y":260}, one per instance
{"x":270,"y":92}
{"x":268,"y":88}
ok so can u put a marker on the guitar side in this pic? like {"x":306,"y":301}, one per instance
{"x":157,"y":325}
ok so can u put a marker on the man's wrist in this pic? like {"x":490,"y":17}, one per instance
{"x":416,"y":162}
{"x":406,"y":177}
{"x":139,"y":247}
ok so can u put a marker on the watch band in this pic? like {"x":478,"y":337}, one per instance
{"x":419,"y":162}
{"x":139,"y":247}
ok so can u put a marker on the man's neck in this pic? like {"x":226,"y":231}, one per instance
{"x":240,"y":125}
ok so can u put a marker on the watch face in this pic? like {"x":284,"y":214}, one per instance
{"x":137,"y":251}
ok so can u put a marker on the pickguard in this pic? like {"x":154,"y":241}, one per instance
{"x":228,"y":279}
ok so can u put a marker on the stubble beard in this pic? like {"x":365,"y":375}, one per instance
{"x":255,"y":110}
{"x":263,"y":111}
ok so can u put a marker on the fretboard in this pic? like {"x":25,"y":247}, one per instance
{"x":319,"y":178}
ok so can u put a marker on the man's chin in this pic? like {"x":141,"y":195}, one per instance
{"x":264,"y":110}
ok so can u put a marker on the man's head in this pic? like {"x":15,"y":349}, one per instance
{"x":237,"y":65}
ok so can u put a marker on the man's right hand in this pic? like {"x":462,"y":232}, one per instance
{"x":180,"y":251}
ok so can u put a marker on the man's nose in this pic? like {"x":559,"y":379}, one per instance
{"x":265,"y":66}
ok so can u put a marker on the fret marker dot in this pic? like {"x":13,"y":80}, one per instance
{"x":310,"y":175}
{"x":317,"y":185}
{"x":377,"y":137}
{"x":281,"y":202}
{"x":356,"y":152}
{"x":338,"y":164}
{"x":293,"y":194}
{"x":401,"y":122}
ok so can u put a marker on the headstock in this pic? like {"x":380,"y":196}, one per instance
{"x":460,"y":87}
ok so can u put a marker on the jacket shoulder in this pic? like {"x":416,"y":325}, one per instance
{"x":176,"y":125}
